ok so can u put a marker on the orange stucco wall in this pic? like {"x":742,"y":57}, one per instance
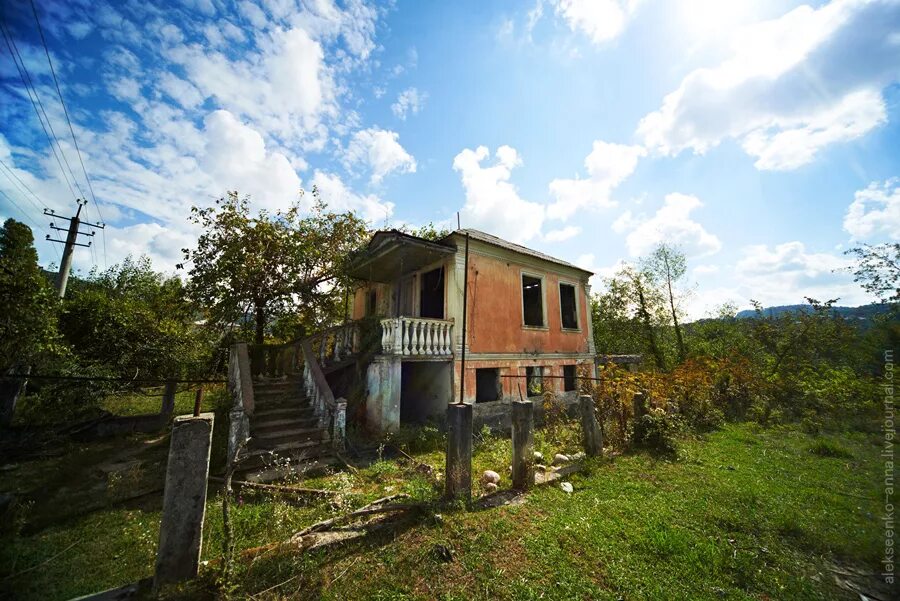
{"x":495,"y":311}
{"x":510,"y":367}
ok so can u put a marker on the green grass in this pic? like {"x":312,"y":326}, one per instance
{"x":744,"y":513}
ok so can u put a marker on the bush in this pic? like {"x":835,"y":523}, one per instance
{"x":828,"y":448}
{"x":657,"y":431}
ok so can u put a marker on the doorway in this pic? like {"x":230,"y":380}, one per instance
{"x":431,"y":299}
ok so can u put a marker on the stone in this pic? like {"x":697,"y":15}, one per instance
{"x":490,"y":477}
{"x":538,"y":457}
{"x":567,"y":487}
{"x":491,"y":487}
{"x":560,"y":459}
{"x":540,"y":467}
{"x":184,"y":500}
{"x":577,"y":456}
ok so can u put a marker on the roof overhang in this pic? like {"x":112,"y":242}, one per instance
{"x":392,"y":254}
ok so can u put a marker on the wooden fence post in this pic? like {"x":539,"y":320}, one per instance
{"x":592,"y":436}
{"x":459,"y":452}
{"x":523,"y":444}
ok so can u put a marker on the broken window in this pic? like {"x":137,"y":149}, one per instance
{"x":567,"y":306}
{"x":371,"y":302}
{"x":487,"y":385}
{"x":431,"y":302}
{"x":569,"y":378}
{"x":534,"y":378}
{"x":532,"y":301}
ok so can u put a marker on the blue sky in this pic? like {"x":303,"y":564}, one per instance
{"x":760,"y":136}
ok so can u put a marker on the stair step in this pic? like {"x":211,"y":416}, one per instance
{"x":310,"y":467}
{"x":287,"y":448}
{"x":285,"y":435}
{"x":263,"y":425}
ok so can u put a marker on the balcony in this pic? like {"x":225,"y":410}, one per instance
{"x":417,"y":337}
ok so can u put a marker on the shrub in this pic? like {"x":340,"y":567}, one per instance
{"x":657,"y":431}
{"x":828,"y":448}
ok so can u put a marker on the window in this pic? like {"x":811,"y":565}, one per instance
{"x":371,"y":302}
{"x":534,"y":380}
{"x":532,"y":301}
{"x":431,"y":299}
{"x":487,"y":385}
{"x":569,"y":378}
{"x":567,"y":306}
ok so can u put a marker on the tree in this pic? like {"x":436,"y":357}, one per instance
{"x":131,"y":321}
{"x":28,"y":321}
{"x":271,"y":264}
{"x":878,"y":270}
{"x":667,"y":266}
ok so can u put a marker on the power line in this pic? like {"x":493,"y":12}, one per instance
{"x":35,"y":98}
{"x":69,"y":121}
{"x":15,"y":178}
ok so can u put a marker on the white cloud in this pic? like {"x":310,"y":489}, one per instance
{"x":607,"y":166}
{"x":672,"y":224}
{"x":237,"y":159}
{"x":793,"y":86}
{"x":340,"y":198}
{"x":706,"y":269}
{"x":380,"y":151}
{"x":600,"y":20}
{"x":409,"y":101}
{"x":492,"y":203}
{"x":565,"y":233}
{"x":787,"y":273}
{"x":179,"y":90}
{"x":875,"y":211}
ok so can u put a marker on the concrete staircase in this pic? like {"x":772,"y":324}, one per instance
{"x":285,"y":437}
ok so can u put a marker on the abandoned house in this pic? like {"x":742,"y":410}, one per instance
{"x":398,"y":358}
{"x":528,"y":315}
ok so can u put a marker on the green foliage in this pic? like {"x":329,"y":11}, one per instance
{"x":657,"y":431}
{"x":28,"y":330}
{"x":288,"y":265}
{"x":135,"y":323}
{"x":829,"y":448}
{"x":878,"y":270}
{"x":428,"y":231}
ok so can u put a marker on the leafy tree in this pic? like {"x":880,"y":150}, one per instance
{"x":271,"y":264}
{"x":878,"y":270}
{"x":428,"y":231}
{"x":28,"y":321}
{"x":134,"y":322}
{"x":667,"y":266}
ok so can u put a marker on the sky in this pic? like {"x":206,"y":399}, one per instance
{"x":761,"y":137}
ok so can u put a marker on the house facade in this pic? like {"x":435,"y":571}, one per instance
{"x":528,"y":324}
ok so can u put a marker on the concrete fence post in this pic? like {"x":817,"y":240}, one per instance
{"x":168,"y":401}
{"x":592,"y":436}
{"x":640,"y":405}
{"x":10,"y":390}
{"x":523,"y":444}
{"x":459,"y":452}
{"x":184,"y":500}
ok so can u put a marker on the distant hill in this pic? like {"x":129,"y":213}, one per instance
{"x":862,"y":312}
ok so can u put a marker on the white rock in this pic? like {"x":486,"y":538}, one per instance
{"x":560,"y":459}
{"x":578,"y":456}
{"x":538,"y":457}
{"x":490,"y":487}
{"x":567,"y":487}
{"x":490,"y":477}
{"x":540,"y":467}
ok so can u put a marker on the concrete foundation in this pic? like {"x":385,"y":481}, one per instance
{"x":383,"y":394}
{"x":184,"y":500}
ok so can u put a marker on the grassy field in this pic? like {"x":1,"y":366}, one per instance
{"x":744,"y":513}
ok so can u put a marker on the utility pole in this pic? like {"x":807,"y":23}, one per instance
{"x":70,"y":242}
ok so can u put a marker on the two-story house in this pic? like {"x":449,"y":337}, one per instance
{"x":528,"y":324}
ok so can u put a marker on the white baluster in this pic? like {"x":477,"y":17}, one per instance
{"x":385,"y":336}
{"x":404,"y":343}
{"x":447,"y":339}
{"x":429,"y":338}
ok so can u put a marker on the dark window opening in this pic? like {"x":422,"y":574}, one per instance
{"x":371,"y":302}
{"x":532,"y":301}
{"x":431,"y":302}
{"x":487,"y":385}
{"x":567,"y":306}
{"x":534,"y":380}
{"x":569,"y":378}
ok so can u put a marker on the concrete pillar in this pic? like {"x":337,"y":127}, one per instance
{"x":523,"y":444}
{"x":459,"y":452}
{"x":383,"y":395}
{"x":184,"y":500}
{"x":591,"y":433}
{"x":168,"y":402}
{"x":10,"y":389}
{"x":639,"y":404}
